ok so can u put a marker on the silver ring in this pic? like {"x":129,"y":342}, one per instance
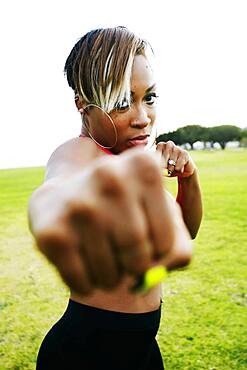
{"x":171,"y":162}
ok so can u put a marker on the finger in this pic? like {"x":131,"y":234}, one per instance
{"x":180,"y":163}
{"x":163,"y":149}
{"x":131,"y":239}
{"x":167,"y":150}
{"x":190,"y":166}
{"x":160,"y":150}
{"x":171,"y":162}
{"x":155,"y":205}
{"x":126,"y":223}
{"x":95,"y":249}
{"x":102,"y":263}
{"x":185,"y":165}
{"x":170,"y":155}
{"x":181,"y":253}
{"x":161,"y":227}
{"x":61,"y":250}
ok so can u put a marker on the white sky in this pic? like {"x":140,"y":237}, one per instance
{"x":200,"y":48}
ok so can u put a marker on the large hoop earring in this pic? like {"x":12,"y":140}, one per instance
{"x":110,"y":120}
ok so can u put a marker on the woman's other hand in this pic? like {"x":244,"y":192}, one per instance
{"x":176,"y":160}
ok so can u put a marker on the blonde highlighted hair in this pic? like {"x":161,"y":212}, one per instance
{"x":99,"y":66}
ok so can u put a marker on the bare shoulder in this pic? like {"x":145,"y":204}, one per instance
{"x":71,"y":157}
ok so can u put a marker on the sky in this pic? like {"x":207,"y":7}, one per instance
{"x":201,"y":61}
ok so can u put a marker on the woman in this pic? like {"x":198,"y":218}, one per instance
{"x":102,"y":216}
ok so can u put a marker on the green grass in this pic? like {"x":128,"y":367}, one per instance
{"x":204,"y":311}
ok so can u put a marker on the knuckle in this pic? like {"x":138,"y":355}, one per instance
{"x":170,"y":144}
{"x":131,"y":239}
{"x":161,"y":145}
{"x":137,"y":264}
{"x":150,"y":175}
{"x":104,"y":172}
{"x":73,"y":206}
{"x":83,"y":287}
{"x":137,"y":237}
{"x":82,"y":211}
{"x":48,"y":237}
{"x":52,"y":243}
{"x":188,"y":158}
{"x":183,"y":153}
{"x":136,"y":255}
{"x":110,"y":181}
{"x":147,"y":168}
{"x":101,"y":172}
{"x":112,"y":187}
{"x":136,"y":156}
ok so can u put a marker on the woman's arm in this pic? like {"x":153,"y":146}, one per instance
{"x":189,"y":193}
{"x":190,"y":201}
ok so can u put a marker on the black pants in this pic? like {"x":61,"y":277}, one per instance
{"x":88,"y":338}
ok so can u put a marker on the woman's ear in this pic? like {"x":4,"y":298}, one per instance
{"x":80,"y":104}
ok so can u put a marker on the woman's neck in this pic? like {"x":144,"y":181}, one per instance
{"x":84,"y":131}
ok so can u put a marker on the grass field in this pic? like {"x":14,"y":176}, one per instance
{"x":205,"y":307}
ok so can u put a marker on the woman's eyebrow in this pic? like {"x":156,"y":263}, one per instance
{"x":153,"y":87}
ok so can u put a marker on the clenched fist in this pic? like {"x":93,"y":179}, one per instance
{"x":111,"y":219}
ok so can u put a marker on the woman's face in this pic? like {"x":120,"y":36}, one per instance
{"x":131,"y":125}
{"x":134,"y":123}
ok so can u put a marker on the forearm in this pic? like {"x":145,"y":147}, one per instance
{"x":190,"y":201}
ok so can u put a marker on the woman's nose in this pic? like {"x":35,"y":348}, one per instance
{"x":140,"y":117}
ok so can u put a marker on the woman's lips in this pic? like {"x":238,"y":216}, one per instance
{"x":139,"y":140}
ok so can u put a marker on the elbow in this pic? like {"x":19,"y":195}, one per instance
{"x":193,"y":234}
{"x":193,"y":227}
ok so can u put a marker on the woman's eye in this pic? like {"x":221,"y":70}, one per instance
{"x":151,"y":98}
{"x":122,"y":106}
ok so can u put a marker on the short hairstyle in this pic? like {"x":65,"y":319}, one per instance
{"x":99,"y":66}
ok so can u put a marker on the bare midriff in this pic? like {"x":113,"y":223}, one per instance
{"x":121,"y":299}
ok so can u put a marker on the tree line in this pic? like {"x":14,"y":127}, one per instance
{"x":218,"y":134}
